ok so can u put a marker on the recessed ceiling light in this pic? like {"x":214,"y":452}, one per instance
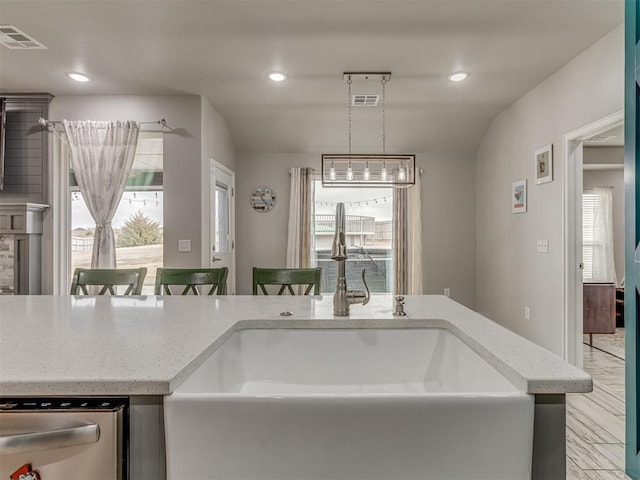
{"x":78,"y":77}
{"x":458,"y":76}
{"x":277,"y":76}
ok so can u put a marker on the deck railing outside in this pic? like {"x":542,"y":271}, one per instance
{"x":355,"y":224}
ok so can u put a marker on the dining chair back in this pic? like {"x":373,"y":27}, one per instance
{"x":286,"y":278}
{"x":108,"y":279}
{"x":190,"y":279}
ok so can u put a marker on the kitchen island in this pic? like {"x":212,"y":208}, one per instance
{"x":145,"y":347}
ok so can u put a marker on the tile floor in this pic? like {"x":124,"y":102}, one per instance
{"x":595,"y":421}
{"x":613,"y":344}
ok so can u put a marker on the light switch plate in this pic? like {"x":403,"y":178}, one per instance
{"x":542,"y":246}
{"x":184,"y":245}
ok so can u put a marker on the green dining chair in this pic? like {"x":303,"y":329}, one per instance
{"x":108,"y":279}
{"x":189,"y":278}
{"x":286,"y":278}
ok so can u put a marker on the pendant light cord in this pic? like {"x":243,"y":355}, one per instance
{"x":384,"y":114}
{"x":349,"y":80}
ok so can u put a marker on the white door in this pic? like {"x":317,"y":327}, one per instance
{"x":221,"y":222}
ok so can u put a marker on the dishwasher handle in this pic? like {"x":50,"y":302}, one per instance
{"x":32,"y":441}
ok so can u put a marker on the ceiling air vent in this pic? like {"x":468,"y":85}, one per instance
{"x":600,"y":138}
{"x":13,"y":38}
{"x":365,"y":100}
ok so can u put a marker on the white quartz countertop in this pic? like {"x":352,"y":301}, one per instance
{"x":67,"y":345}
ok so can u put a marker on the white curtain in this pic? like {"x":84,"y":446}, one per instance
{"x":300,"y":241}
{"x":407,"y":240}
{"x":102,"y":155}
{"x":414,"y":239}
{"x":603,"y":265}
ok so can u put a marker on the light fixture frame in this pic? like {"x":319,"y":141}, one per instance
{"x":375,"y":162}
{"x":347,"y":170}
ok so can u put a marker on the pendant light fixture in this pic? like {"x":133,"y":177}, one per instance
{"x":368,"y":170}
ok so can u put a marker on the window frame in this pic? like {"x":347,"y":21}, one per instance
{"x":152,"y":181}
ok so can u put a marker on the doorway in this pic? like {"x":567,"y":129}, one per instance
{"x":221,"y":245}
{"x":573,"y":145}
{"x":603,"y":241}
{"x":598,"y":449}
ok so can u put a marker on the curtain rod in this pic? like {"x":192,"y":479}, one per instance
{"x":52,"y":123}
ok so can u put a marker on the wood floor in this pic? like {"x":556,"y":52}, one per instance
{"x":595,"y":421}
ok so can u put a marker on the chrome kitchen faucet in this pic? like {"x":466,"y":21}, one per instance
{"x":344,"y":298}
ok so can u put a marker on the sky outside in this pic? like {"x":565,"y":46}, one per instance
{"x":149,"y":203}
{"x":373,"y":202}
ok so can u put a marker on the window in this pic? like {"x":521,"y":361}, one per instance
{"x":589,"y":205}
{"x":597,"y":235}
{"x":138,"y":221}
{"x":369,"y":213}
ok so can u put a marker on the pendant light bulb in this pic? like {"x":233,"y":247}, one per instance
{"x":383,"y":173}
{"x":349,"y":173}
{"x":402,"y":174}
{"x":366,"y":176}
{"x":332,"y":172}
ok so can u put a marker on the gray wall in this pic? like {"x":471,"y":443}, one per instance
{"x":216,"y":140}
{"x":449,"y":226}
{"x":615,"y":179}
{"x":199,"y":132}
{"x":261,"y":238}
{"x":603,"y":155}
{"x":511,"y":274}
{"x":217,"y":145}
{"x":448,"y":219}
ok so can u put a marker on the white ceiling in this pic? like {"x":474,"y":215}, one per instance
{"x":222,"y":49}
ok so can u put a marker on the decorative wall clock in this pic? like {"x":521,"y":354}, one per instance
{"x":263,"y":199}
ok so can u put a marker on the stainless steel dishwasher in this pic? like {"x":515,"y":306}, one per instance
{"x":63,"y":438}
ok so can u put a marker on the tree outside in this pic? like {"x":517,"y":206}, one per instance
{"x":144,"y":205}
{"x":139,"y":230}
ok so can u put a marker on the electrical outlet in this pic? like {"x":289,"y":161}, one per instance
{"x":184,"y":245}
{"x":542,"y":246}
{"x":447,"y":292}
{"x":527,"y":313}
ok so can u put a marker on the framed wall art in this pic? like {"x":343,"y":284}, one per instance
{"x":544,"y":164}
{"x":519,"y":196}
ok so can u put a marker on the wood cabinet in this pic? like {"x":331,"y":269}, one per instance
{"x":599,"y":308}
{"x":620,"y":307}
